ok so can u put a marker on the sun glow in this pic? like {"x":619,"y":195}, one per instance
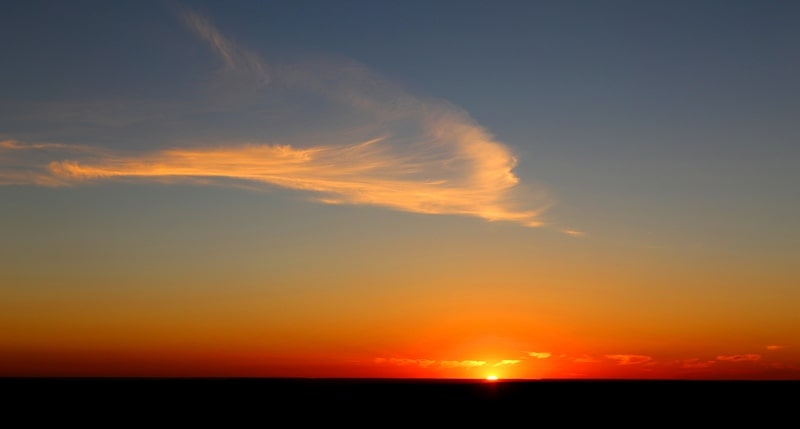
{"x":491,"y":378}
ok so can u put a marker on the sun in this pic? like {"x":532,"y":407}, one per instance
{"x":491,"y":377}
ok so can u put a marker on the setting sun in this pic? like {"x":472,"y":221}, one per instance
{"x":491,"y":378}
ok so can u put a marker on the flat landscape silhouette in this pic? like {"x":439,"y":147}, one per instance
{"x":308,"y":390}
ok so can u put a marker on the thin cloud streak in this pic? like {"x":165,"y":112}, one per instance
{"x":401,"y":152}
{"x":623,"y":359}
{"x":14,"y":145}
{"x":461,"y":363}
{"x":19,"y":164}
{"x":507,"y":362}
{"x":430,"y":363}
{"x":740,"y":358}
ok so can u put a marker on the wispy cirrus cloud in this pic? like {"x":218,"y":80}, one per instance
{"x":240,"y":63}
{"x":386,"y":148}
{"x":774,"y":347}
{"x":13,"y":145}
{"x":361,"y":173}
{"x":539,"y":355}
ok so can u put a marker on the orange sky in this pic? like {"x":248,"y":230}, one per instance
{"x":533,"y":321}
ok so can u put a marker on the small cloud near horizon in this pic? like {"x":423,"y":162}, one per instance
{"x":430,"y":363}
{"x":752,"y":357}
{"x":585,"y":359}
{"x":507,"y":362}
{"x":696,"y":363}
{"x":573,"y":233}
{"x":623,"y":359}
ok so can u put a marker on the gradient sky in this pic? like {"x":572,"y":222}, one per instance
{"x":543,"y":189}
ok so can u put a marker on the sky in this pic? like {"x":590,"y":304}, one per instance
{"x":425,"y":189}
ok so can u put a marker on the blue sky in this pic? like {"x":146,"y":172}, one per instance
{"x":673,"y":99}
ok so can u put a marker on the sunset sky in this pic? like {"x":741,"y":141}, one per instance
{"x":427,"y":189}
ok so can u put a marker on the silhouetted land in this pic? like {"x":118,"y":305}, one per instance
{"x":678,"y":393}
{"x":270,"y":402}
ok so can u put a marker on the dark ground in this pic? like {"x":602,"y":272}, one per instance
{"x":570,"y":402}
